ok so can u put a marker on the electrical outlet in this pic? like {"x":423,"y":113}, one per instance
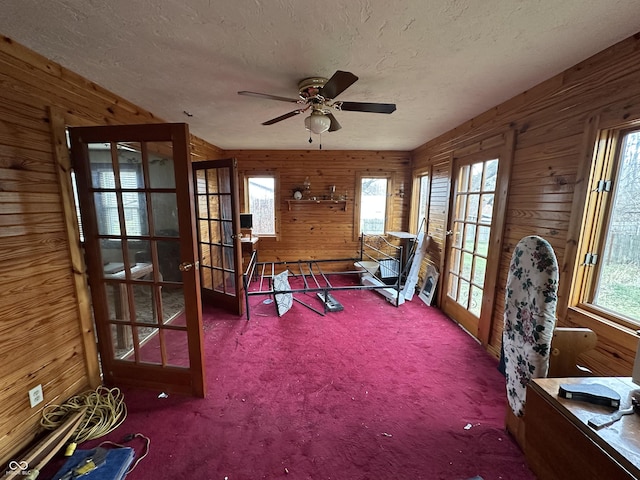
{"x":36,"y":396}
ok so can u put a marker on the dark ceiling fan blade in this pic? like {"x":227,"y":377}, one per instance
{"x":283,"y":117}
{"x":337,"y":84}
{"x":270,"y":97}
{"x":368,"y":107}
{"x":335,"y":125}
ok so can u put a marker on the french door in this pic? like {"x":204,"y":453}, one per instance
{"x":218,"y":221}
{"x":136,"y":201}
{"x":470,"y":258}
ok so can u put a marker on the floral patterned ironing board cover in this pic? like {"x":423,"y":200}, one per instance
{"x":529,"y":316}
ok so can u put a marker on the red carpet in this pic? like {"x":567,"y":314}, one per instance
{"x":372,"y":392}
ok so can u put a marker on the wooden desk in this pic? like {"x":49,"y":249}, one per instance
{"x":561,"y":445}
{"x":249,"y":245}
{"x":406,"y":241}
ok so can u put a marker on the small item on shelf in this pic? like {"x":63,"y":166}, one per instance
{"x":297,"y":195}
{"x":307,"y":188}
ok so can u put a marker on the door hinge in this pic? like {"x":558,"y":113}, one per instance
{"x":603,"y":186}
{"x":590,"y":259}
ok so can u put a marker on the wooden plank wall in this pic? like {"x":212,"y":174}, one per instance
{"x":321,"y":231}
{"x":551,"y":121}
{"x":41,"y":338}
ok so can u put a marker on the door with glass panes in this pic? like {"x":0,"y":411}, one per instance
{"x":134,"y":189}
{"x":468,"y":241}
{"x":218,"y":222}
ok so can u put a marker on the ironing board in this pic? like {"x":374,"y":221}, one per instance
{"x":529,"y":316}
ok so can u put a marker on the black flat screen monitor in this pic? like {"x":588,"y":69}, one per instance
{"x":246,"y":220}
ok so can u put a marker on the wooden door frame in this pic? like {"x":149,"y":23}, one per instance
{"x":59,"y":120}
{"x":445,"y":237}
{"x":504,"y":153}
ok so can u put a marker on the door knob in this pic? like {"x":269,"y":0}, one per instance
{"x":186,"y":266}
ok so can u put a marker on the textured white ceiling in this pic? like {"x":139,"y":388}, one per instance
{"x":441,"y":61}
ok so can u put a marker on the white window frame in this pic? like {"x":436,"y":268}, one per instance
{"x":276,"y":202}
{"x":388,"y":176}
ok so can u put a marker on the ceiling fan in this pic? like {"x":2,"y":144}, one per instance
{"x":317,"y":95}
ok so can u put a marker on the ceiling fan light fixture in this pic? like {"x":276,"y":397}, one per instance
{"x":317,"y":122}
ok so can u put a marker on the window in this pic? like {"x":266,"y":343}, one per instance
{"x":611,"y":254}
{"x":76,"y":202}
{"x":420,"y":199}
{"x":103,"y":177}
{"x":130,"y":178}
{"x":423,"y":199}
{"x":373,"y":205}
{"x":261,"y":201}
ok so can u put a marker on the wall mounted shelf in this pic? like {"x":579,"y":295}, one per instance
{"x":342,"y":203}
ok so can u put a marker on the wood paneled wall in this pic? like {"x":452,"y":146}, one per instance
{"x":324,"y":230}
{"x":551,"y":122}
{"x":42,"y":338}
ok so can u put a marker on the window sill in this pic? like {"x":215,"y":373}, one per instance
{"x":266,"y":235}
{"x":586,"y":316}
